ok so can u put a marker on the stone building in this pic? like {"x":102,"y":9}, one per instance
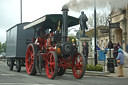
{"x":120,"y":34}
{"x":103,"y":37}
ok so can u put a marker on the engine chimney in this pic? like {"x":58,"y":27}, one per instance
{"x":64,"y":23}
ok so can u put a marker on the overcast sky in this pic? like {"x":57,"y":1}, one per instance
{"x":32,"y":9}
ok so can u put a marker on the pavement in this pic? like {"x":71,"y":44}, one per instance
{"x":104,"y":73}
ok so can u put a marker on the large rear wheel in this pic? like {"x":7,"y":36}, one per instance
{"x":30,"y":59}
{"x":79,"y":64}
{"x":51,"y":65}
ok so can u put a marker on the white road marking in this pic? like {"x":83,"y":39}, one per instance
{"x":7,"y":74}
{"x":23,"y":84}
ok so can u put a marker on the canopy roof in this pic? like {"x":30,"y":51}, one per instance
{"x":51,"y":21}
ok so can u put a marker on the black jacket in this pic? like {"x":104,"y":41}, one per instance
{"x":85,"y":51}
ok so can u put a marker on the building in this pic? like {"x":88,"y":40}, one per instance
{"x":120,"y":34}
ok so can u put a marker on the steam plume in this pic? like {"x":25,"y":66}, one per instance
{"x":78,"y":5}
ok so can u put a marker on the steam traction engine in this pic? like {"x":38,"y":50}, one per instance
{"x":50,"y":49}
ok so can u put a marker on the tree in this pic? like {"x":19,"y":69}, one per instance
{"x":2,"y":47}
{"x":100,"y":20}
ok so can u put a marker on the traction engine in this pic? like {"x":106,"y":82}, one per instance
{"x":50,"y":48}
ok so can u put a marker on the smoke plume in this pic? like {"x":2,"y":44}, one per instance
{"x":78,"y":5}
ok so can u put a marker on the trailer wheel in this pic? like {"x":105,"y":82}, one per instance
{"x":61,"y":71}
{"x":51,"y":65}
{"x":39,"y":63}
{"x":11,"y":63}
{"x":78,"y":68}
{"x":18,"y":65}
{"x":30,"y":59}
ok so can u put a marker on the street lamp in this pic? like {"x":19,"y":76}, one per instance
{"x":95,"y":53}
{"x":109,"y":31}
{"x":21,"y":10}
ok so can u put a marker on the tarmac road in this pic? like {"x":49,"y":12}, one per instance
{"x":22,"y":78}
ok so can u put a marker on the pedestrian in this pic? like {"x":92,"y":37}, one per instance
{"x":110,"y":45}
{"x":118,"y":44}
{"x":105,"y":50}
{"x":115,"y":53}
{"x":97,"y":47}
{"x":85,"y":52}
{"x":120,"y":61}
{"x":127,"y":48}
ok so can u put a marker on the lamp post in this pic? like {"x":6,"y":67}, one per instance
{"x":95,"y":53}
{"x":21,"y":11}
{"x":109,"y":21}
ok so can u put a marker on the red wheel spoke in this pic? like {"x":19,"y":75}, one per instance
{"x":32,"y":56}
{"x":52,"y":71}
{"x":30,"y":67}
{"x":30,"y":52}
{"x":48,"y":61}
{"x":27,"y":60}
{"x":51,"y":58}
{"x":31,"y":61}
{"x":52,"y":64}
{"x":79,"y":68}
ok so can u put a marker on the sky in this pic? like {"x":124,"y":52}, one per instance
{"x":32,"y":10}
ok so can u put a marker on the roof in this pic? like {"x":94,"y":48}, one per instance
{"x":16,"y":25}
{"x":51,"y":21}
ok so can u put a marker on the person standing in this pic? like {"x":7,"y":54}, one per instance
{"x":85,"y":52}
{"x":120,"y":61}
{"x":127,"y":48}
{"x":115,"y":52}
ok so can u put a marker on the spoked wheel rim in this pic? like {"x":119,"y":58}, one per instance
{"x":30,"y":59}
{"x":51,"y":65}
{"x":78,"y":65}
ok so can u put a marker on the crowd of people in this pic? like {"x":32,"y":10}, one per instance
{"x":117,"y":54}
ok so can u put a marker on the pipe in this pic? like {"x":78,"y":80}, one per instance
{"x":64,"y":23}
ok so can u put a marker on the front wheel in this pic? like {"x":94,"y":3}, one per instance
{"x":79,"y":64}
{"x":30,"y":59}
{"x":51,"y":65}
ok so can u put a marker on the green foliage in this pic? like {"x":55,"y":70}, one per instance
{"x":2,"y":47}
{"x":94,"y":68}
{"x":98,"y":68}
{"x":90,"y":67}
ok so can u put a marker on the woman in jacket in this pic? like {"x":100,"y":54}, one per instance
{"x":120,"y":59}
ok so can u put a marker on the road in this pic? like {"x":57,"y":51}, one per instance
{"x":22,"y":78}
